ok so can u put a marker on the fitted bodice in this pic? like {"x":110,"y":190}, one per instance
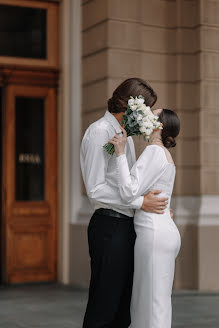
{"x":166,"y":182}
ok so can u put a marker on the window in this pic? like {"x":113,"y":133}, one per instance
{"x":29,"y":149}
{"x":23,"y":32}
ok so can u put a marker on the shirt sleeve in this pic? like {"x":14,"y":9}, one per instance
{"x":131,"y":147}
{"x":95,"y":166}
{"x":145,"y":172}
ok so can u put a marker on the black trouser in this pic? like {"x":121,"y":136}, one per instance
{"x":111,"y":247}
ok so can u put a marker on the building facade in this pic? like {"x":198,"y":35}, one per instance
{"x":92,"y":46}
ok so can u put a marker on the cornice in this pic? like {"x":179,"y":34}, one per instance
{"x":41,"y":76}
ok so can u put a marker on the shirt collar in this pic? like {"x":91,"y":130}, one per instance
{"x":113,"y":121}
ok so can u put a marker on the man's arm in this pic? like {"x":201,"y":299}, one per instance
{"x":154,"y":204}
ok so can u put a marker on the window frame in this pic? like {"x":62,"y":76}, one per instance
{"x":52,"y":59}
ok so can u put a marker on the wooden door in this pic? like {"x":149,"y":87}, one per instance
{"x":29,"y":218}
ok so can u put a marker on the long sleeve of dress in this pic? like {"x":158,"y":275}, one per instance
{"x":145,"y":172}
{"x":95,"y":162}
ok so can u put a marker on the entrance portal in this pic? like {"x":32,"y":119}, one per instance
{"x":29,"y":184}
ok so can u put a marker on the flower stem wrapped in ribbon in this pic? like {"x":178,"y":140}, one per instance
{"x":138,"y":120}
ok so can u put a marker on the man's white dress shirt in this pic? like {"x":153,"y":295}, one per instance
{"x":99,"y":169}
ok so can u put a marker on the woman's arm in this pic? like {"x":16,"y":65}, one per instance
{"x":145,"y":172}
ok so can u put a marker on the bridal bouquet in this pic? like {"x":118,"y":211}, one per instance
{"x":138,"y":120}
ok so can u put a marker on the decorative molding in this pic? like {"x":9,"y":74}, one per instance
{"x":15,"y":74}
{"x":188,"y":210}
{"x":85,"y":211}
{"x":200,"y":210}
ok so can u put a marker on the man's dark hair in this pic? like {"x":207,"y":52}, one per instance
{"x":131,"y":87}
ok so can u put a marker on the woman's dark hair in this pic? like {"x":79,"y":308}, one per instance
{"x":171,"y":127}
{"x":131,"y":87}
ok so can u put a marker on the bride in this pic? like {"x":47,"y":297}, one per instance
{"x":158,"y":240}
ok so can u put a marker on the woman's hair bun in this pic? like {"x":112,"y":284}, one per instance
{"x":169,"y":142}
{"x":171,"y":127}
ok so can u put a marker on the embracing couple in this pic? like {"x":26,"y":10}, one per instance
{"x":133,"y":241}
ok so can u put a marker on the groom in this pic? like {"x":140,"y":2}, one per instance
{"x":111,"y":234}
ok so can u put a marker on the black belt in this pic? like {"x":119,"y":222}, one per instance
{"x":108,"y":212}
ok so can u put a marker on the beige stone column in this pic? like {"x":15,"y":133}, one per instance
{"x":187,"y":153}
{"x":197,"y":189}
{"x":209,"y":145}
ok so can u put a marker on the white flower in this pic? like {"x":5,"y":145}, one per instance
{"x":151,"y":117}
{"x":133,"y":107}
{"x":145,"y":131}
{"x":139,"y":117}
{"x":140,"y":101}
{"x":136,"y":101}
{"x":146,"y":119}
{"x":142,"y":114}
{"x":149,"y":131}
{"x":131,"y":102}
{"x":142,"y":129}
{"x":145,"y":109}
{"x":148,"y":125}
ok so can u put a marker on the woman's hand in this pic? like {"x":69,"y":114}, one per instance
{"x":119,"y":143}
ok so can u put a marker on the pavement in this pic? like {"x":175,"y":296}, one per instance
{"x":57,"y":306}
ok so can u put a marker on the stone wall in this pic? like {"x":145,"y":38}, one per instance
{"x":173,"y":45}
{"x":208,"y":263}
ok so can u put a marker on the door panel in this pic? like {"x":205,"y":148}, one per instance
{"x":30,"y":184}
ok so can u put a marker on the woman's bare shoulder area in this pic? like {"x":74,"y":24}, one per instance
{"x":168,"y":155}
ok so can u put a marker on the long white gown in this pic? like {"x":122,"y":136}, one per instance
{"x":158,"y":239}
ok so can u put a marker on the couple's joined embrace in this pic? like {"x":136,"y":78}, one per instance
{"x":133,"y":241}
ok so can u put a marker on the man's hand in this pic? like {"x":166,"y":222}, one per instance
{"x":154,"y":204}
{"x":119,"y":142}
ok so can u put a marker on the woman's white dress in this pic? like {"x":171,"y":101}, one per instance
{"x":158,"y":239}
